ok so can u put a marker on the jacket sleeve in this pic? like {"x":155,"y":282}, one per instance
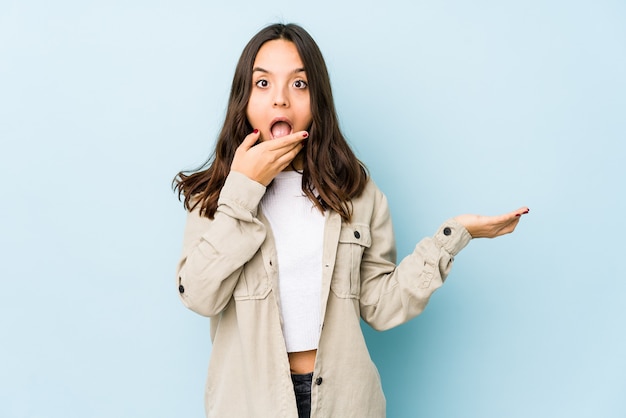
{"x":214,"y":251}
{"x":392,"y":295}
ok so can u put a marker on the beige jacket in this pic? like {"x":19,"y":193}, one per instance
{"x":228,"y":272}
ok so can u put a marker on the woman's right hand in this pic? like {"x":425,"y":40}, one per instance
{"x":262,"y":162}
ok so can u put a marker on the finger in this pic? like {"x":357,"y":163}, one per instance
{"x":251,"y":139}
{"x":285,"y":158}
{"x":511,"y":227}
{"x":503,"y":224}
{"x":287,"y":141}
{"x":522,"y":211}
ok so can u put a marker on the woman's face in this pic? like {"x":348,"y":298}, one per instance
{"x":279,"y":103}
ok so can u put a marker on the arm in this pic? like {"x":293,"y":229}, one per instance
{"x":392,"y":295}
{"x":214,"y":251}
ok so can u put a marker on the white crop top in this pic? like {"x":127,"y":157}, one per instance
{"x":298,"y":229}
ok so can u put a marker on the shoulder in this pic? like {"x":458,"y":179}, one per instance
{"x":370,"y":195}
{"x":371,"y":201}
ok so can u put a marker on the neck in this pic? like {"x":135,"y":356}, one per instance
{"x":296,"y":164}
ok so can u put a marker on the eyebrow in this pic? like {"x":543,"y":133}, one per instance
{"x":263,"y":70}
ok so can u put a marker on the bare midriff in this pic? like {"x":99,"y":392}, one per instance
{"x":302,"y":362}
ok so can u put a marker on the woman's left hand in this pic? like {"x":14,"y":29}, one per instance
{"x":491,"y":226}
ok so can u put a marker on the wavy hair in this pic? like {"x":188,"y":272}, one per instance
{"x":331,"y":174}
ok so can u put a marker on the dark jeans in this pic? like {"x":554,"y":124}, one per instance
{"x":302,"y":387}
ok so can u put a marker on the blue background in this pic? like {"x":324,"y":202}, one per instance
{"x":455,"y":106}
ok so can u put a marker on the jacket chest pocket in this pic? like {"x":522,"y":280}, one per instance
{"x":253,"y":283}
{"x":346,"y":280}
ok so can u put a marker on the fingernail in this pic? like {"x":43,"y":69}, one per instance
{"x":256,"y":131}
{"x":305,"y":135}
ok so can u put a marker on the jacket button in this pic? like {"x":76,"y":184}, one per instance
{"x":318,"y":381}
{"x":447,"y":231}
{"x":181,"y":289}
{"x":357,"y":235}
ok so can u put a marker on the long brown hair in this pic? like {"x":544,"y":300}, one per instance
{"x":330,"y":168}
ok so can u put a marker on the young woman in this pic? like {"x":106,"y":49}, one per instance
{"x":288,"y":244}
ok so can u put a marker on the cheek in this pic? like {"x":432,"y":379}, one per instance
{"x":309,"y":116}
{"x":304,"y":110}
{"x":256,"y":118}
{"x":252,"y":110}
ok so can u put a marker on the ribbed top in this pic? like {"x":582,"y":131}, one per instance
{"x":298,"y":229}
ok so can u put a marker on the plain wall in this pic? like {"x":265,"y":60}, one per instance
{"x":455,"y":107}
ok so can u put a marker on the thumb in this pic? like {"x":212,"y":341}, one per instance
{"x":249,"y":141}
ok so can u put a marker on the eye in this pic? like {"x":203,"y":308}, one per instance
{"x":262,"y":83}
{"x":300,"y":84}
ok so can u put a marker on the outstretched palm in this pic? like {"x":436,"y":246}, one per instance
{"x":480,"y":226}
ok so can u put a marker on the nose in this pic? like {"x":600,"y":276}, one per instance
{"x":281,"y":98}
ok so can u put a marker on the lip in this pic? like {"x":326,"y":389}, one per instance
{"x":280,"y":119}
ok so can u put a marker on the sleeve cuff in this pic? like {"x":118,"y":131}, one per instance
{"x":241,"y":191}
{"x":453,"y":236}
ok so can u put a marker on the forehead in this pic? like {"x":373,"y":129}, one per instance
{"x":278,"y":55}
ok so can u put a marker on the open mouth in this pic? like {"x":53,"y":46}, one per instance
{"x":280,"y":127}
